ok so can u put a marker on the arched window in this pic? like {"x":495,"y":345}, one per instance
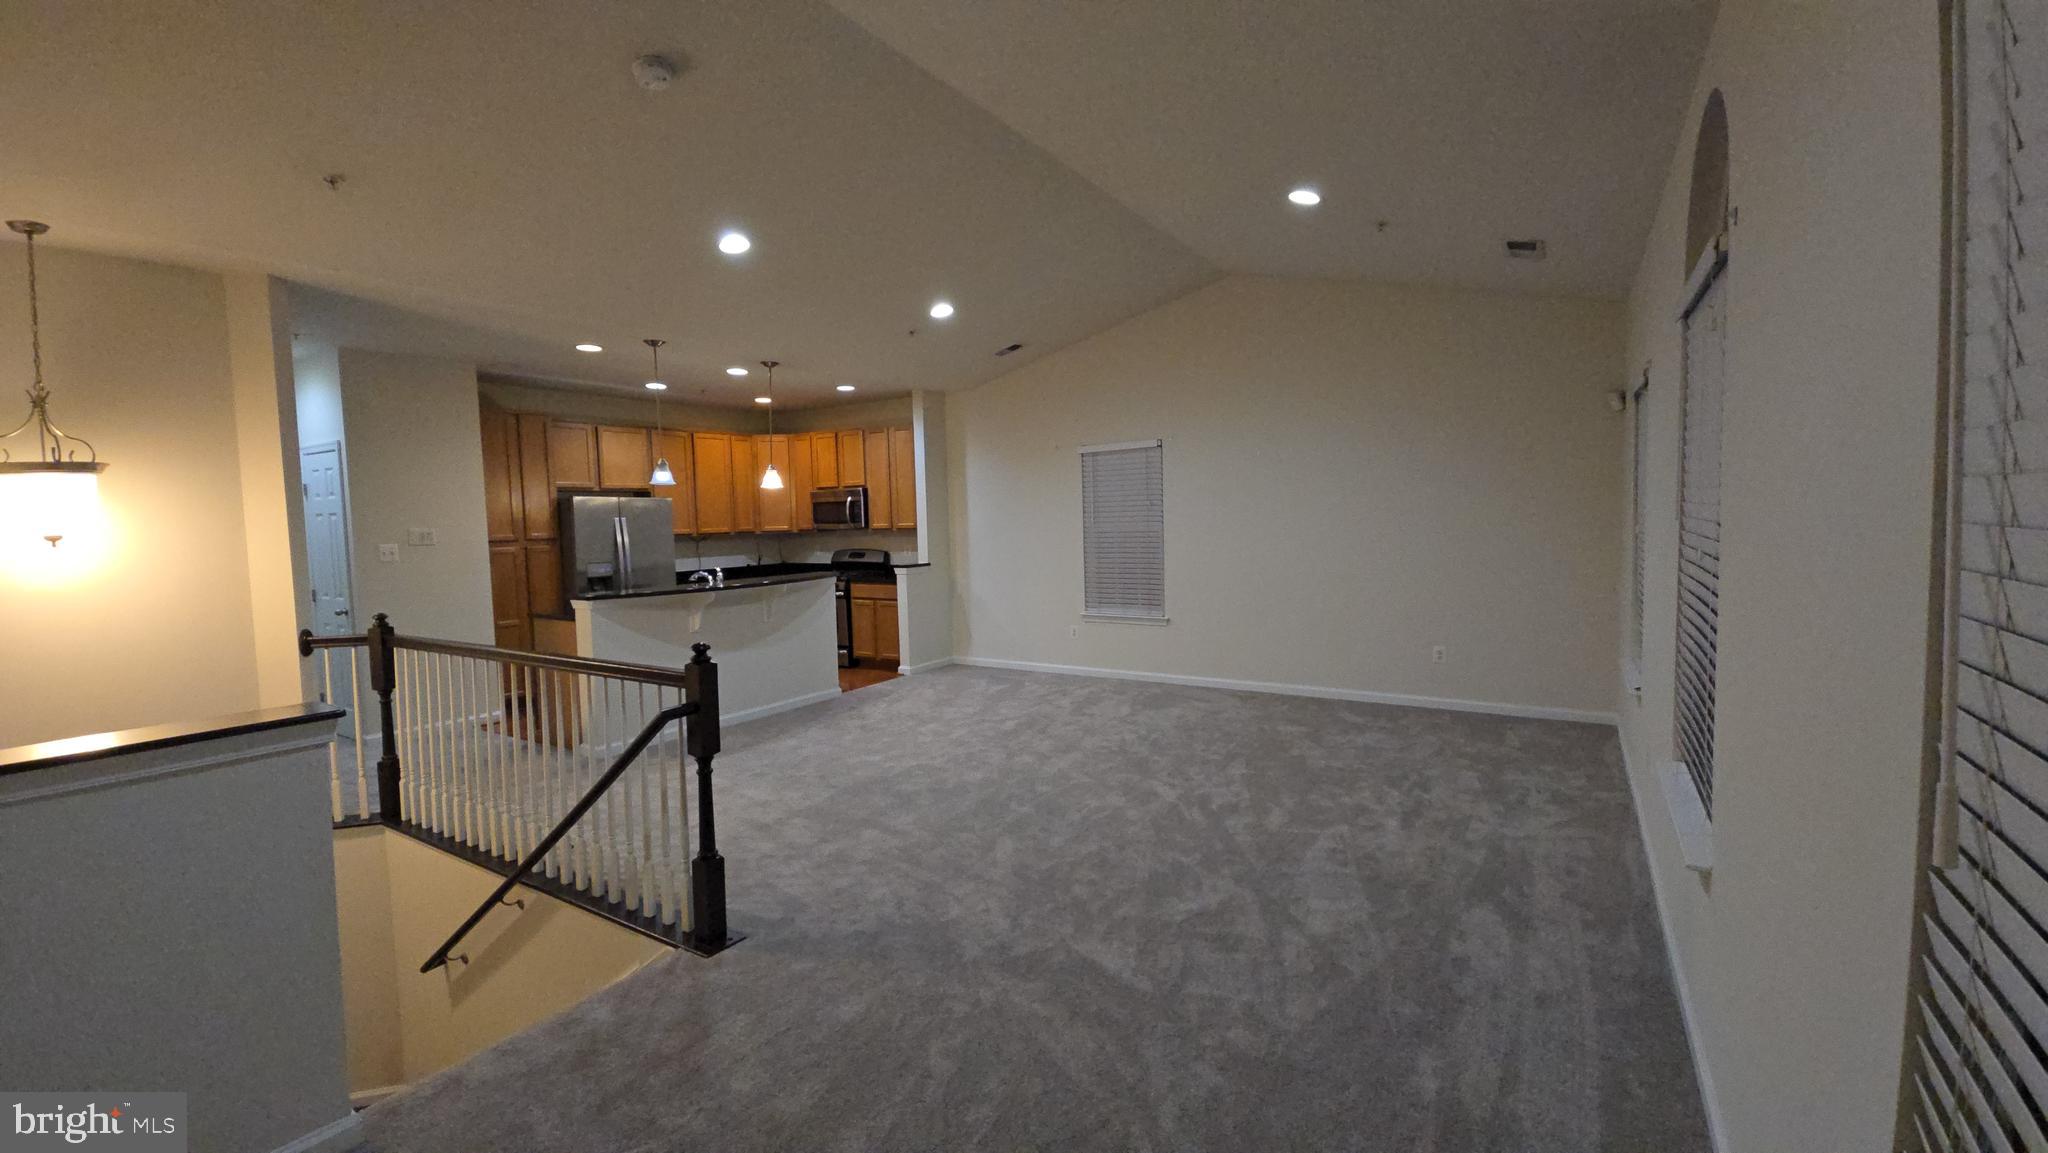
{"x":1704,"y":317}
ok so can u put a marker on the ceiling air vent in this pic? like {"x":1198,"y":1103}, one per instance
{"x":1525,"y":250}
{"x":1008,"y":349}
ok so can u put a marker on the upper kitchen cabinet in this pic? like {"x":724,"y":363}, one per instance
{"x":538,"y":489}
{"x":853,"y":470}
{"x":903,"y":476}
{"x":777,"y":508}
{"x":712,"y":479}
{"x":881,"y":494}
{"x":746,"y":485}
{"x":572,"y":454}
{"x":623,"y":459}
{"x":803,"y":477}
{"x":504,"y":503}
{"x":674,"y":447}
{"x":823,"y":450}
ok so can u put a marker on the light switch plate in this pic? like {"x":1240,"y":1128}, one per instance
{"x":421,"y":536}
{"x":387,"y":554}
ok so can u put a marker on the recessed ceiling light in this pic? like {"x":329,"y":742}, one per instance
{"x":590,"y":348}
{"x":735,"y":370}
{"x":734,"y":243}
{"x":657,"y":386}
{"x":941,"y":310}
{"x":1306,"y":197}
{"x":764,"y":400}
{"x":846,"y":388}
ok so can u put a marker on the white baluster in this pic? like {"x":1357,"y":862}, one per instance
{"x":333,"y":767}
{"x":649,"y":764}
{"x":667,"y":860}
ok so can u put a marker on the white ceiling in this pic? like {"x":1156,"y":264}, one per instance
{"x":510,"y":190}
{"x":1461,"y":123}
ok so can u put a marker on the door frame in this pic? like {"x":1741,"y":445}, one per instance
{"x":348,"y":523}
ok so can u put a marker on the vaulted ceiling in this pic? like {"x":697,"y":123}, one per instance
{"x":508,"y":190}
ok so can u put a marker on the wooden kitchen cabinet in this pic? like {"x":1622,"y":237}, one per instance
{"x":674,"y":447}
{"x":863,"y":612}
{"x":853,"y":469}
{"x":623,"y":459}
{"x":544,"y":577}
{"x":802,"y":478}
{"x":777,"y":512}
{"x":711,"y":476}
{"x":887,"y":646}
{"x":872,"y":606}
{"x":503,"y":502}
{"x":824,"y":454}
{"x":881,"y":494}
{"x":746,"y":485}
{"x":535,"y":485}
{"x":510,"y":614}
{"x":572,"y":455}
{"x":903,"y":477}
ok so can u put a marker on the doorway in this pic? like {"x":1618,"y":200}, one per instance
{"x":327,"y":562}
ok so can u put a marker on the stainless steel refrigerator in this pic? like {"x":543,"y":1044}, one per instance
{"x":613,"y":544}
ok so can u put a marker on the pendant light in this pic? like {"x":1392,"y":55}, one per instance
{"x":55,"y":494}
{"x":771,"y":479}
{"x":663,"y":476}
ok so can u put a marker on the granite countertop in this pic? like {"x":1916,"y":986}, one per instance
{"x":744,"y":581}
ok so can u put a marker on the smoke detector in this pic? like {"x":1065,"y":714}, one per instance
{"x":653,"y":72}
{"x":1526,"y":250}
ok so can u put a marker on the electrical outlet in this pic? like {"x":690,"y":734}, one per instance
{"x":1073,"y":631}
{"x":1436,"y":654}
{"x":421,"y":536}
{"x":387,"y":554}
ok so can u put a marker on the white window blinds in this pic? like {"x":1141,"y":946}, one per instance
{"x":1123,"y":531}
{"x":1978,"y":1064}
{"x":1699,"y":523}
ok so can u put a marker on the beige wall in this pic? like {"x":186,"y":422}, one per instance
{"x":1354,"y":474}
{"x":399,"y":900}
{"x":415,"y":461}
{"x":887,"y":412}
{"x":159,"y":628}
{"x":1793,"y":958}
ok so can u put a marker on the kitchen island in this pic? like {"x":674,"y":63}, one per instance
{"x":773,"y":634}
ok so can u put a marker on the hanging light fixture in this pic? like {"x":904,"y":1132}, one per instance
{"x":663,"y":476}
{"x":771,"y":479}
{"x":55,"y":494}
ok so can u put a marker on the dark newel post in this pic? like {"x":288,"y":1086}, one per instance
{"x":383,"y":679}
{"x":707,"y":869}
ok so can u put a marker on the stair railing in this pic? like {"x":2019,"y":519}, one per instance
{"x":561,"y":773}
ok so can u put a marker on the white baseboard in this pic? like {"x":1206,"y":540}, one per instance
{"x":928,"y":666}
{"x":338,"y":1135}
{"x":1498,"y":708}
{"x":1708,"y":1101}
{"x":755,"y":714}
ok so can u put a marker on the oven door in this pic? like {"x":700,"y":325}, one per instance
{"x":839,"y":508}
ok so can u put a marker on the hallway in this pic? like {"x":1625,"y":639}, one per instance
{"x":994,"y":909}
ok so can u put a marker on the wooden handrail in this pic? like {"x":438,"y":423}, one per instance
{"x":589,"y":666}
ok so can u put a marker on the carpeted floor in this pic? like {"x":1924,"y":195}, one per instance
{"x":1018,"y":911}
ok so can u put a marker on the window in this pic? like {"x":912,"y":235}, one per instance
{"x":1123,"y":531}
{"x":1632,"y":667}
{"x":1705,"y":322}
{"x":1978,"y":1060}
{"x":1699,"y":532}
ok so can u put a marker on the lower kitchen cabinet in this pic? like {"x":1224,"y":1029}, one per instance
{"x":873,"y":609}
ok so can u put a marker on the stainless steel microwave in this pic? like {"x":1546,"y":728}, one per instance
{"x":839,"y":507}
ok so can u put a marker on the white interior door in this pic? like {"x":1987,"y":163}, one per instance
{"x":327,"y":539}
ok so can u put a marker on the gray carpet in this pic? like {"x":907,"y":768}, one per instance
{"x":1019,"y":911}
